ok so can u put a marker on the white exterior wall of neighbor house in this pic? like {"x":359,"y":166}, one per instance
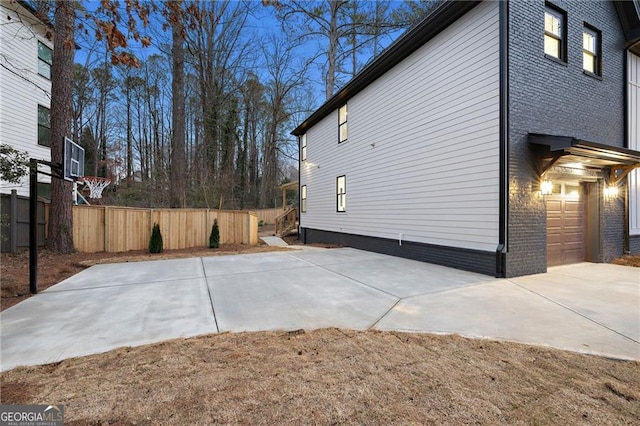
{"x":422,"y":156}
{"x":633,"y":98}
{"x":22,"y":89}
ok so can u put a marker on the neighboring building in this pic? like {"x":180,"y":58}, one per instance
{"x":439,"y":149}
{"x":25,"y":87}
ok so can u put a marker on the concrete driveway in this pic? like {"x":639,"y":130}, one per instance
{"x":591,"y":308}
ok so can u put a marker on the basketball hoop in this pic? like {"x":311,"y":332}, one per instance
{"x":96,"y":185}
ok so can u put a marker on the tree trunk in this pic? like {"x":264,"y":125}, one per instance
{"x":333,"y":46}
{"x":61,"y":218}
{"x":129,"y":165}
{"x":178,"y":166}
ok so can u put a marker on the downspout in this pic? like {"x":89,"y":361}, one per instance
{"x":300,"y":236}
{"x":626,"y":247}
{"x":501,"y":250}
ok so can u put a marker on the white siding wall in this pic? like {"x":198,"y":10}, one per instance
{"x":422,"y":157}
{"x":21,"y":88}
{"x":633,"y":98}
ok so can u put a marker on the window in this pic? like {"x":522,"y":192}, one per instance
{"x":342,"y":124}
{"x":555,"y":33}
{"x":591,"y":50}
{"x":44,"y":126}
{"x":303,"y":198}
{"x":45,"y":58}
{"x":341,"y":191}
{"x":303,"y":147}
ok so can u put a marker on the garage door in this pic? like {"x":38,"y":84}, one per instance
{"x":566,"y":226}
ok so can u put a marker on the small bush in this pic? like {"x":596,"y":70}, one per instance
{"x":214,"y":237}
{"x":155,"y":242}
{"x":261,"y":223}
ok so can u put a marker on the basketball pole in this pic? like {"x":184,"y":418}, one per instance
{"x":33,"y":226}
{"x":73,"y":157}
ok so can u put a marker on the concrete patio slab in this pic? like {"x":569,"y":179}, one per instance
{"x":300,"y":298}
{"x":56,"y":325}
{"x":118,"y":274}
{"x":588,"y":307}
{"x":250,"y":263}
{"x":610,"y":297}
{"x":604,"y":273}
{"x":274,"y":241}
{"x":405,"y":278}
{"x":337,"y":256}
{"x":503,"y":310}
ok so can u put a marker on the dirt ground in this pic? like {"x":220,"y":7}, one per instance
{"x":333,"y":376}
{"x":628,"y":261}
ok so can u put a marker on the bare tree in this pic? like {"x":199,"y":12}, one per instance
{"x":178,"y":166}
{"x":284,"y":76}
{"x":216,"y":52}
{"x":347,"y":29}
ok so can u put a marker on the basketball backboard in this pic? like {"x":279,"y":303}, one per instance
{"x":73,"y":166}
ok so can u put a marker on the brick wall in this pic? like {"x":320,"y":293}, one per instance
{"x":558,"y":99}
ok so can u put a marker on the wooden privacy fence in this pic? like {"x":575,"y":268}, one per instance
{"x":268,"y":216}
{"x":116,"y":229}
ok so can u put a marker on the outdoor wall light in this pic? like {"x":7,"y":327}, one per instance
{"x":610,"y":191}
{"x":546,"y":187}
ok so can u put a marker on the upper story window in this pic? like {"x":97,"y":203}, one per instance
{"x":303,"y":198}
{"x":591,"y":50}
{"x":44,"y":126}
{"x":341,"y":192}
{"x":555,"y":33}
{"x":303,"y":147}
{"x":45,"y":59}
{"x":342,"y":124}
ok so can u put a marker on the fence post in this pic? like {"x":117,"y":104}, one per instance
{"x":248,"y":237}
{"x":13,"y":222}
{"x":106,"y":229}
{"x":207,"y":230}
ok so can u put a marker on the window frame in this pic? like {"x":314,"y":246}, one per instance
{"x":43,"y":61}
{"x":561,"y":15}
{"x":341,"y":196}
{"x":43,"y":130}
{"x":303,"y":199}
{"x":303,"y":147}
{"x":597,"y":55}
{"x":343,"y":124}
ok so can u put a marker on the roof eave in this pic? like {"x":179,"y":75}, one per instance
{"x":573,"y":145}
{"x":439,"y":19}
{"x":37,"y":15}
{"x":629,"y":15}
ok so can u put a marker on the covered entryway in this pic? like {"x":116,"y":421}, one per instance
{"x":566,"y":225}
{"x":580,"y":181}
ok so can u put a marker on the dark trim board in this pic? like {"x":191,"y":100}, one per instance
{"x":503,"y":238}
{"x":483,"y":262}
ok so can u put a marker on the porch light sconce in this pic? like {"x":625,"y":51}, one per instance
{"x":546,"y":187}
{"x":610,"y":191}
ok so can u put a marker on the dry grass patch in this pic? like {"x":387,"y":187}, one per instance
{"x":333,"y":377}
{"x":628,"y":261}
